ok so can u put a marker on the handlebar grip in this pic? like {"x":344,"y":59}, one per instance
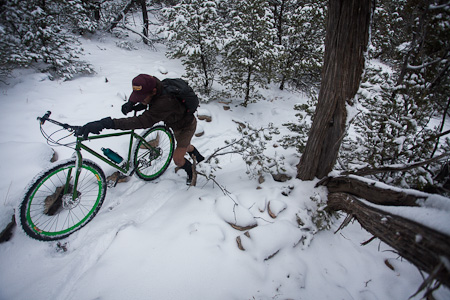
{"x":45,"y":117}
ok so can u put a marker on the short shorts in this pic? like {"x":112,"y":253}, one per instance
{"x":184,"y":135}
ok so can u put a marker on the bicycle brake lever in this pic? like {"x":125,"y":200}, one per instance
{"x":70,"y":127}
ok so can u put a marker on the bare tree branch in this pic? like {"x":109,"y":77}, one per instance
{"x":395,"y":168}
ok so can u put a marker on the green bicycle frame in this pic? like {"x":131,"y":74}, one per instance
{"x":123,"y":168}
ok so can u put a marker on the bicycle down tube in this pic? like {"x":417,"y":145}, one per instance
{"x":124,"y":169}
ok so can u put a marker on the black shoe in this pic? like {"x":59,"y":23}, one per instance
{"x":188,"y":168}
{"x":198,"y":156}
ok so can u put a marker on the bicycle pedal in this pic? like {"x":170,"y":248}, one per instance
{"x":110,"y":183}
{"x":115,"y":178}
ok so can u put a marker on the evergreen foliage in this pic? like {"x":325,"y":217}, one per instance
{"x":249,"y":51}
{"x":34,"y":33}
{"x":390,"y":131}
{"x":403,"y":107}
{"x":192,"y":31}
{"x":300,"y":30}
{"x":300,"y":129}
{"x":247,"y":44}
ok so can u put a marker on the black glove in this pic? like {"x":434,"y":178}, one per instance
{"x":140,"y":107}
{"x":94,"y":127}
{"x":130,"y":106}
{"x":127,"y":107}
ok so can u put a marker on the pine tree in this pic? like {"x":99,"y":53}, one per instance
{"x":300,"y":27}
{"x":192,"y":28}
{"x":249,"y":50}
{"x":79,"y":14}
{"x":34,"y":33}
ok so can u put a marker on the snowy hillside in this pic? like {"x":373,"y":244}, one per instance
{"x":162,"y":240}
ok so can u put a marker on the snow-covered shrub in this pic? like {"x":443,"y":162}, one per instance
{"x":125,"y":45}
{"x":251,"y":146}
{"x":320,"y":216}
{"x":300,"y":129}
{"x":393,"y":128}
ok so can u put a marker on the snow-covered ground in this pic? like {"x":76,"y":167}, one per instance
{"x":162,"y":240}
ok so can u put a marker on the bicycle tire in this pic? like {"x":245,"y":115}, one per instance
{"x":46,"y":214}
{"x":151,"y":165}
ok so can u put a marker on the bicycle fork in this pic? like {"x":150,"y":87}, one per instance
{"x":78,"y":165}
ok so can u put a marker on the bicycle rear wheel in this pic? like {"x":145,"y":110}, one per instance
{"x":49,"y":212}
{"x":153,"y":160}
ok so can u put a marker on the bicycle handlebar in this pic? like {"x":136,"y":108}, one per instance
{"x":46,"y":117}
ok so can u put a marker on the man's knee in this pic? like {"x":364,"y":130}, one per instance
{"x":179,"y":161}
{"x":178,"y":156}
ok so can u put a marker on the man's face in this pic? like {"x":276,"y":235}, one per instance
{"x":149,"y":97}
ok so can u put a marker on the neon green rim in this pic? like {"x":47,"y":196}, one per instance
{"x":164,"y":167}
{"x":36,"y":229}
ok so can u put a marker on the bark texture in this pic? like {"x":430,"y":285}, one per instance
{"x":370,"y":191}
{"x":345,"y":44}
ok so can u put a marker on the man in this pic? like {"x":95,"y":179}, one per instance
{"x":149,"y":94}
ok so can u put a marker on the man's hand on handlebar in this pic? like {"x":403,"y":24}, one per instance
{"x":94,"y":127}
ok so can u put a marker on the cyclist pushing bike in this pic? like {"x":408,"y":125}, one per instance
{"x":162,"y":101}
{"x":67,"y":195}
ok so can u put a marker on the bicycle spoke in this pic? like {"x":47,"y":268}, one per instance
{"x":51,"y":214}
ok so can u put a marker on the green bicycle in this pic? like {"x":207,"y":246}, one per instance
{"x":65,"y":197}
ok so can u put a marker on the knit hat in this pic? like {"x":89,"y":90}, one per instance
{"x":143,"y":85}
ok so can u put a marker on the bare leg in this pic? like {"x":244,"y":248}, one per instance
{"x":179,"y":153}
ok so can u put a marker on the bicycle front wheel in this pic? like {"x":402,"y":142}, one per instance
{"x":152,"y":159}
{"x":50,"y":212}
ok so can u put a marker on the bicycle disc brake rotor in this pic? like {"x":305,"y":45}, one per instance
{"x":56,"y":201}
{"x":69,"y":203}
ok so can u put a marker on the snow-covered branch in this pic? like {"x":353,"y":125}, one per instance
{"x":432,"y":6}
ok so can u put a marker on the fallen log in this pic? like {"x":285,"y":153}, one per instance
{"x":370,"y":191}
{"x":427,"y":249}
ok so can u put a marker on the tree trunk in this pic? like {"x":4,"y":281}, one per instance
{"x":345,"y":45}
{"x":424,"y":247}
{"x":248,"y":85}
{"x":145,"y":20}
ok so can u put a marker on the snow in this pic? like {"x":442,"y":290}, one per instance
{"x":163,"y":240}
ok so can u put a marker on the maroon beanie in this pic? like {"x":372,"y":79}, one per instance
{"x":143,"y":85}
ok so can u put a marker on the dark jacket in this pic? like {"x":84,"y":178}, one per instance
{"x":162,"y":107}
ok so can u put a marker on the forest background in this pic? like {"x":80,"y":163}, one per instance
{"x":237,"y":48}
